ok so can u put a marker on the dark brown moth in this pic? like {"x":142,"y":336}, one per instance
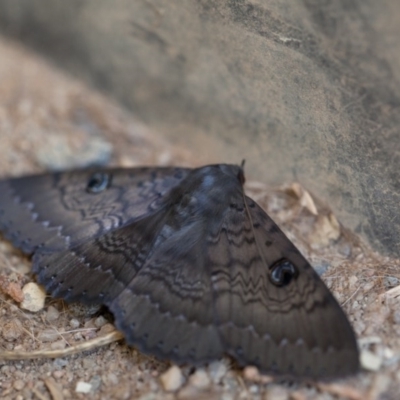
{"x":189,"y":265}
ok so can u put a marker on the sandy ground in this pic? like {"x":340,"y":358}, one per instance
{"x":51,"y":121}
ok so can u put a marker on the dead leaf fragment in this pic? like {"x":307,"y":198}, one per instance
{"x":326,"y":229}
{"x":304,"y":198}
{"x":13,"y":289}
{"x":54,"y":389}
{"x":12,"y":330}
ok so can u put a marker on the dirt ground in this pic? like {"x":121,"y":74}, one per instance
{"x":50,"y":121}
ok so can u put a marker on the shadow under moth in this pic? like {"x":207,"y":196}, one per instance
{"x":190,"y":267}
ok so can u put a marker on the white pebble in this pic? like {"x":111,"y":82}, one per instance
{"x":172,"y":379}
{"x":34,"y":296}
{"x":83,"y":387}
{"x":370,"y":361}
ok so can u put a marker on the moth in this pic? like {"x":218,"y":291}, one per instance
{"x":190,"y":267}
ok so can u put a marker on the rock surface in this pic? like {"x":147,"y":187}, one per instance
{"x":35,"y":96}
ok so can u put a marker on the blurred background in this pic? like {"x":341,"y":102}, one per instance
{"x":305,"y":91}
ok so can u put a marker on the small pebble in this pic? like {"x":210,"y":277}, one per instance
{"x":276,"y":392}
{"x":52,"y":314}
{"x":106,"y":328}
{"x":34,"y":296}
{"x":368,"y":286}
{"x":252,"y":373}
{"x":83,"y":387}
{"x":172,"y":379}
{"x":200,"y":380}
{"x":345,"y":249}
{"x":112,"y":379}
{"x":89,"y":334}
{"x":389,"y":354}
{"x":95,"y":382}
{"x":100,"y":321}
{"x":391,"y":281}
{"x":18,"y":384}
{"x":254,"y":389}
{"x":88,"y":363}
{"x":89,"y":323}
{"x":58,"y":374}
{"x":60,"y":363}
{"x":122,"y":392}
{"x":74,"y":323}
{"x":321,"y":268}
{"x":58,"y":345}
{"x":48,"y":335}
{"x":217,"y":370}
{"x":353,"y":280}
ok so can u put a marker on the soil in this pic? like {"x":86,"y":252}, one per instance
{"x":50,"y":121}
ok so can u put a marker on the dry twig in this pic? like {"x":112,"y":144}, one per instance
{"x":103,"y":340}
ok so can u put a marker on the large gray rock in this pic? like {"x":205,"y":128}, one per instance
{"x":303,"y":90}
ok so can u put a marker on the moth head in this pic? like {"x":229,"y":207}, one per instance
{"x":233,"y":171}
{"x":98,"y":182}
{"x":282,"y":273}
